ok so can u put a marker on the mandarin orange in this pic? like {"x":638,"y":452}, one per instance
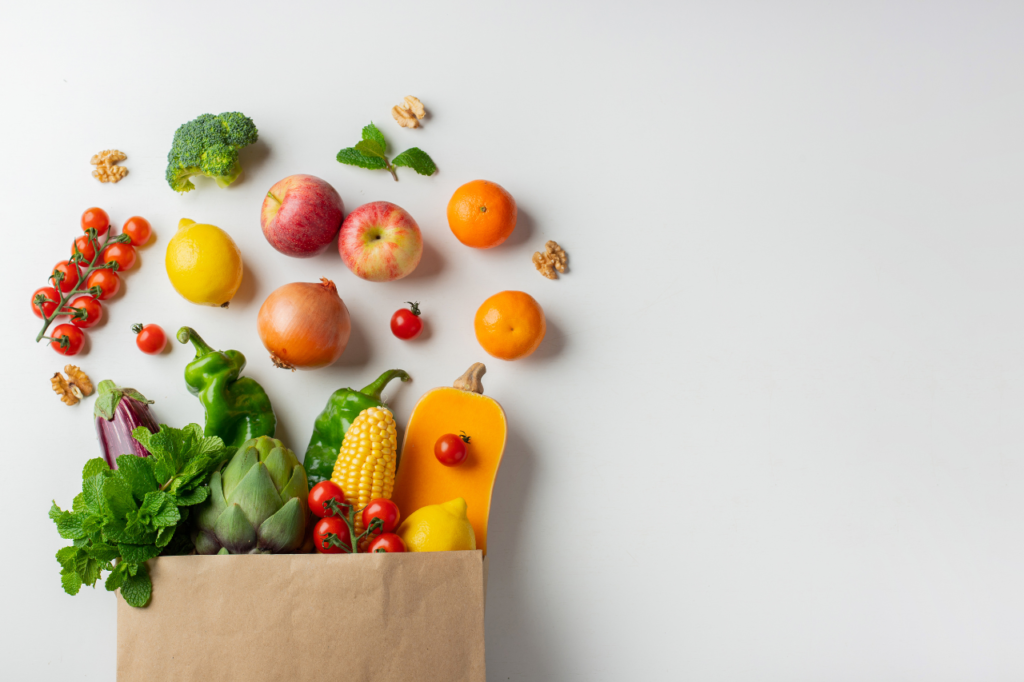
{"x":510,"y":325}
{"x":482,"y":214}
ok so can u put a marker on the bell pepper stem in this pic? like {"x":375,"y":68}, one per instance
{"x":375,"y":389}
{"x":186,"y":334}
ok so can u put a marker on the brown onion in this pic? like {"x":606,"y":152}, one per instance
{"x":304,"y":325}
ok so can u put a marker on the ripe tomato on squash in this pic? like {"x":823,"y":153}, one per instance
{"x":450,"y":449}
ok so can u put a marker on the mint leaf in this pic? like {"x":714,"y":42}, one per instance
{"x":92,"y":493}
{"x":372,"y":134}
{"x":138,"y":553}
{"x":417,"y":159}
{"x":138,"y":588}
{"x":66,"y":556}
{"x":118,"y":495}
{"x":94,"y":466}
{"x":158,"y":509}
{"x":192,"y":497}
{"x":116,"y":577}
{"x":104,"y":553}
{"x":69,"y":526}
{"x":163,"y":537}
{"x":370,"y":148}
{"x":71,"y":581}
{"x":138,"y":472}
{"x":55,"y":511}
{"x":353,"y":157}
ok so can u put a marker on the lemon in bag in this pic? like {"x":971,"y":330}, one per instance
{"x":438,"y":528}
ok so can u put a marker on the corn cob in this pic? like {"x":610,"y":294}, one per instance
{"x":365,"y":468}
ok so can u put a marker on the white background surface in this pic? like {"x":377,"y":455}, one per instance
{"x":773,"y":433}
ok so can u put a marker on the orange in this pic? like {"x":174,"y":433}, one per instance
{"x":510,"y":325}
{"x":482,"y":214}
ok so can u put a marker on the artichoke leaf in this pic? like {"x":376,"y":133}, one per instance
{"x":256,"y":495}
{"x":235,"y":532}
{"x":297,"y":486}
{"x":279,"y":464}
{"x":210,"y":510}
{"x":244,"y":460}
{"x":285,"y":530}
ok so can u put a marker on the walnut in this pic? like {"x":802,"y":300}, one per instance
{"x":553,"y":258}
{"x":408,"y":113}
{"x":72,"y":389}
{"x":106,"y":171}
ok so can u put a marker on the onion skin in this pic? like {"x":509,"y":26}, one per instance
{"x":304,"y":325}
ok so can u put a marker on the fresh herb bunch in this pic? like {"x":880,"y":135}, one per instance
{"x":371,"y":152}
{"x":124,"y":517}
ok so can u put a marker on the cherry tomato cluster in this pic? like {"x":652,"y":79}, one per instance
{"x":333,"y":533}
{"x":86,"y":278}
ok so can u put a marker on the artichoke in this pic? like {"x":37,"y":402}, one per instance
{"x":257,"y":503}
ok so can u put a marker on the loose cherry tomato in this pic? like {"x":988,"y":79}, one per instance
{"x":71,"y":275}
{"x":319,"y":496}
{"x":388,"y":542}
{"x":75,"y":339}
{"x":85,"y":311}
{"x":123,"y":254}
{"x":150,"y":339}
{"x":331,"y":536}
{"x":85,"y":247}
{"x":450,"y":449}
{"x":406,"y":324}
{"x":107,"y":280}
{"x":386,"y":511}
{"x":97,"y":219}
{"x":48,"y":306}
{"x":138,"y":229}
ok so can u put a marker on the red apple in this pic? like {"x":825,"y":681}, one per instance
{"x":301,"y":215}
{"x":380,"y":242}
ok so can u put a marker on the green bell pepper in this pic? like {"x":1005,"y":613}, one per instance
{"x":237,"y":409}
{"x":330,"y":427}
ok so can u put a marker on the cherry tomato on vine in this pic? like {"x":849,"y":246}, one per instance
{"x":97,"y":219}
{"x":85,"y":247}
{"x":71,"y":275}
{"x":107,"y":280}
{"x":75,"y":339}
{"x":450,"y":449}
{"x":320,"y":494}
{"x":137,"y":228}
{"x":406,"y":324}
{"x":123,"y":254}
{"x":150,"y":339}
{"x":328,"y":533}
{"x":388,"y":542}
{"x":52,"y":299}
{"x":385,"y":510}
{"x":92,"y":311}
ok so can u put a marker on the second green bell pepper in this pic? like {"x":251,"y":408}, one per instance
{"x":237,"y":408}
{"x":330,"y":427}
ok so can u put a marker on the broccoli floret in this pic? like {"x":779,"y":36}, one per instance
{"x":208,"y":145}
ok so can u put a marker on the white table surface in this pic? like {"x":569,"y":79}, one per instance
{"x":774,"y":430}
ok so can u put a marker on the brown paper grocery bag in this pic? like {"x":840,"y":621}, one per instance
{"x":411,"y":617}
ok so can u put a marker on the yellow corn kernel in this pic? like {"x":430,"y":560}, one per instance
{"x":365,"y":468}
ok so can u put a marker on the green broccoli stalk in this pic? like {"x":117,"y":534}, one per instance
{"x":208,"y":145}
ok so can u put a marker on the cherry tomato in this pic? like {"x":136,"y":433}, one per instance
{"x":386,"y":511}
{"x":150,"y":339}
{"x":75,"y":339}
{"x":92,"y":311}
{"x":97,"y":219}
{"x":71,"y":275}
{"x":123,"y":254}
{"x":138,"y":229}
{"x":450,"y":449}
{"x":388,"y":542}
{"x":52,"y":299}
{"x":406,"y":324}
{"x":107,"y":280}
{"x":320,"y":494}
{"x":85,"y":247}
{"x":329,"y":533}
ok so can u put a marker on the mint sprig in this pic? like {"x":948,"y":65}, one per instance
{"x":123,"y":518}
{"x":371,"y":153}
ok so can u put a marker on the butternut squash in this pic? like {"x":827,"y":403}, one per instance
{"x":422,"y":480}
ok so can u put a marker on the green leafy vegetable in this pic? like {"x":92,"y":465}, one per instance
{"x":123,"y":518}
{"x":371,"y":152}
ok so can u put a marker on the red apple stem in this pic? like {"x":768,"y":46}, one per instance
{"x":271,"y":195}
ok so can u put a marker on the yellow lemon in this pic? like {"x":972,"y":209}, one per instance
{"x":438,"y":528}
{"x":203,"y":263}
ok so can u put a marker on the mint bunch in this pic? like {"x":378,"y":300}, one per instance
{"x":125,"y":517}
{"x":371,"y":152}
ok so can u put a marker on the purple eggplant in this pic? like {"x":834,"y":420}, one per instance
{"x":118,"y":412}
